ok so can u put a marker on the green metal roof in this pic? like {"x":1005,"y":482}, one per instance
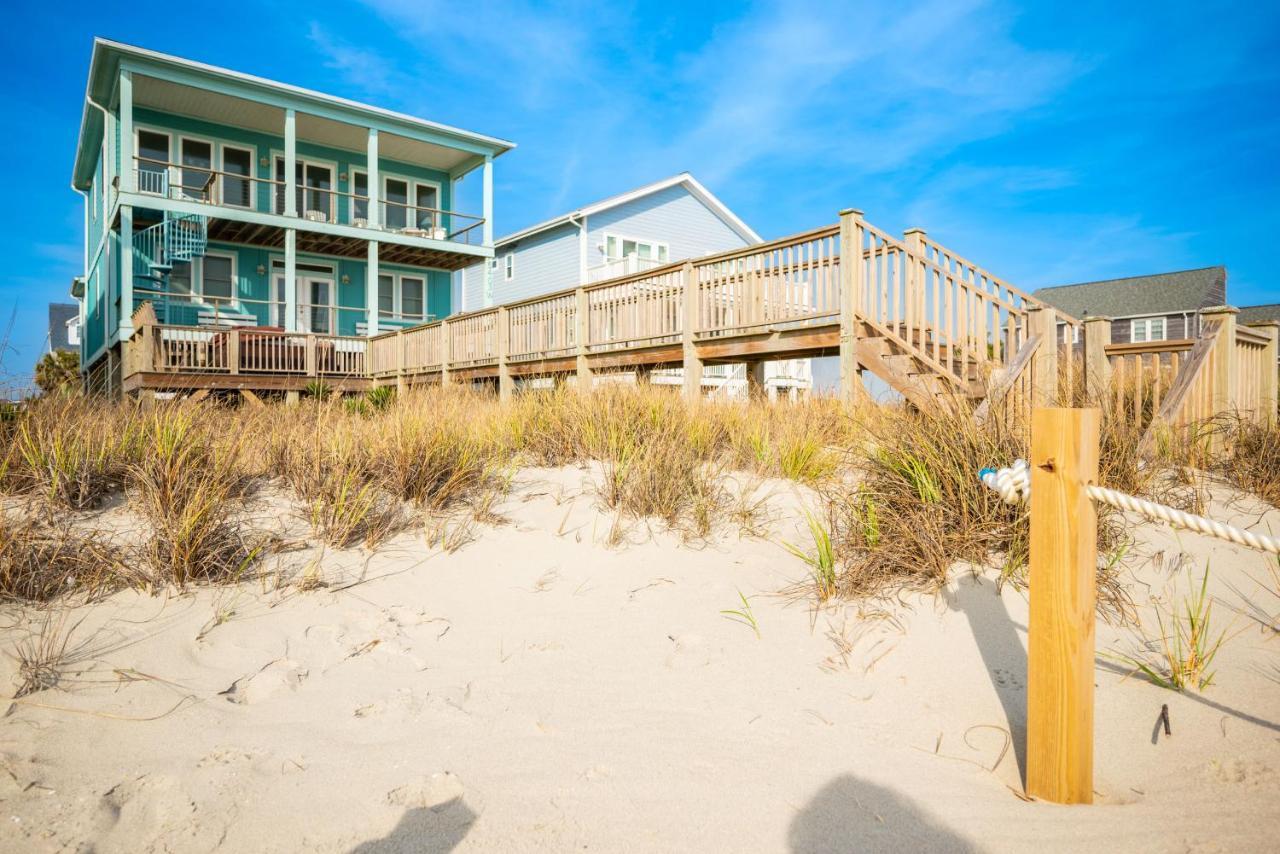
{"x":104,"y":73}
{"x":1162,"y":293}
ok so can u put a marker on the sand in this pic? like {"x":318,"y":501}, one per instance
{"x":540,"y":690}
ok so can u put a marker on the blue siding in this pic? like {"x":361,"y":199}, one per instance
{"x":549,"y":261}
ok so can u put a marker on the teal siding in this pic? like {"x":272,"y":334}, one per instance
{"x":268,"y":146}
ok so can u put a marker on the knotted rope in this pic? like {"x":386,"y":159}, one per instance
{"x":1014,"y":485}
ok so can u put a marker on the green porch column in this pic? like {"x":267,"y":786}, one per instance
{"x":371,"y":290}
{"x":126,"y":272}
{"x":128,"y":169}
{"x":291,"y":278}
{"x":290,"y":161}
{"x":375,"y":186}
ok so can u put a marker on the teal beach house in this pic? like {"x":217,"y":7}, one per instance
{"x":256,"y":231}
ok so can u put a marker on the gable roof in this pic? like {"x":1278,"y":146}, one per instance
{"x":1162,"y":293}
{"x":1258,"y":313}
{"x":695,"y":189}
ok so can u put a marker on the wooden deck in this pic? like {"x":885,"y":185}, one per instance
{"x":930,"y":324}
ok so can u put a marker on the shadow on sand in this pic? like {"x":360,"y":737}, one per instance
{"x":1000,"y":644}
{"x":853,"y":815}
{"x":424,"y":830}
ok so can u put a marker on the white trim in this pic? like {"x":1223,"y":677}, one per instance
{"x":397,"y":295}
{"x":251,"y":178}
{"x":137,"y":153}
{"x":655,"y":244}
{"x":696,"y":189}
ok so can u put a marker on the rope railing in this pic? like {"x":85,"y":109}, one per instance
{"x":1014,"y":484}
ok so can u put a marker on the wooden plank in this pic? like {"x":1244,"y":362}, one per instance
{"x":1006,"y":379}
{"x":1060,"y":635}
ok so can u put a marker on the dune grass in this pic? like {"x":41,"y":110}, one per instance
{"x":895,"y":496}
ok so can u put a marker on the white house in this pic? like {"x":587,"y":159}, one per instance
{"x":668,"y":220}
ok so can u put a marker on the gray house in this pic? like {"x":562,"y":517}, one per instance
{"x":669,"y":220}
{"x":64,"y":327}
{"x":1164,"y":306}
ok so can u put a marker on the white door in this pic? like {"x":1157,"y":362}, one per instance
{"x":314,"y":296}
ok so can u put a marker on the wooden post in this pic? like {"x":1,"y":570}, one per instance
{"x":755,"y":380}
{"x":1043,"y":321}
{"x":1060,"y":636}
{"x":505,"y":383}
{"x":916,"y":274}
{"x":1223,"y":394}
{"x":402,"y":379}
{"x":692,"y":365}
{"x":1269,"y":396}
{"x":233,"y":351}
{"x":444,"y":352}
{"x":310,"y":354}
{"x":851,"y":285}
{"x":581,"y":337}
{"x":1097,"y":368}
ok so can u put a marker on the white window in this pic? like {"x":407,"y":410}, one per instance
{"x":73,"y":332}
{"x":410,"y":204}
{"x":359,"y":197}
{"x":509,"y":266}
{"x":1147,"y":329}
{"x":314,"y":185}
{"x":617,"y":247}
{"x":402,"y":296}
{"x":153,"y":162}
{"x":196,"y":175}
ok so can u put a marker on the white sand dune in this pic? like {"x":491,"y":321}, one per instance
{"x":539,"y":690}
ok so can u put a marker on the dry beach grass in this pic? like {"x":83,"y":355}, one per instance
{"x":520,"y":583}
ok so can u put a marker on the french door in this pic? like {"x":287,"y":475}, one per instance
{"x":315,"y":303}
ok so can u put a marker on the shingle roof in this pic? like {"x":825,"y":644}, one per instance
{"x":1258,"y":313}
{"x":1162,"y":293}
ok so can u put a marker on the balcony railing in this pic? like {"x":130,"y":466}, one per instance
{"x":615,"y":267}
{"x":209,"y":311}
{"x":314,"y":203}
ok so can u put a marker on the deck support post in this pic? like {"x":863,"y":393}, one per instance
{"x":1060,"y":635}
{"x":756,"y":380}
{"x":445,"y":379}
{"x":851,"y":285}
{"x":1043,"y":321}
{"x":233,"y":351}
{"x":1097,"y":368}
{"x":581,"y":337}
{"x":506,"y":384}
{"x":291,"y":279}
{"x":1270,"y":379}
{"x":291,"y":397}
{"x":371,"y":290}
{"x":691,"y":364}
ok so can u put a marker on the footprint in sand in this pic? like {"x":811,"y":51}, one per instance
{"x":154,"y":813}
{"x":688,"y":651}
{"x":280,"y":675}
{"x":438,"y":793}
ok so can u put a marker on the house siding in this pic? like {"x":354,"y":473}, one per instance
{"x":673,"y":216}
{"x":549,"y":261}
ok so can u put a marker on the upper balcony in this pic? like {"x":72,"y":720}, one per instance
{"x":260,"y":158}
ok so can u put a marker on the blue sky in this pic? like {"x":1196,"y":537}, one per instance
{"x":1051,"y":142}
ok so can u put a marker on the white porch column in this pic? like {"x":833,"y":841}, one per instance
{"x":290,"y":161}
{"x":375,"y":203}
{"x":371,"y":289}
{"x":291,"y":278}
{"x":128,"y":169}
{"x":126,"y":271}
{"x":488,"y":200}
